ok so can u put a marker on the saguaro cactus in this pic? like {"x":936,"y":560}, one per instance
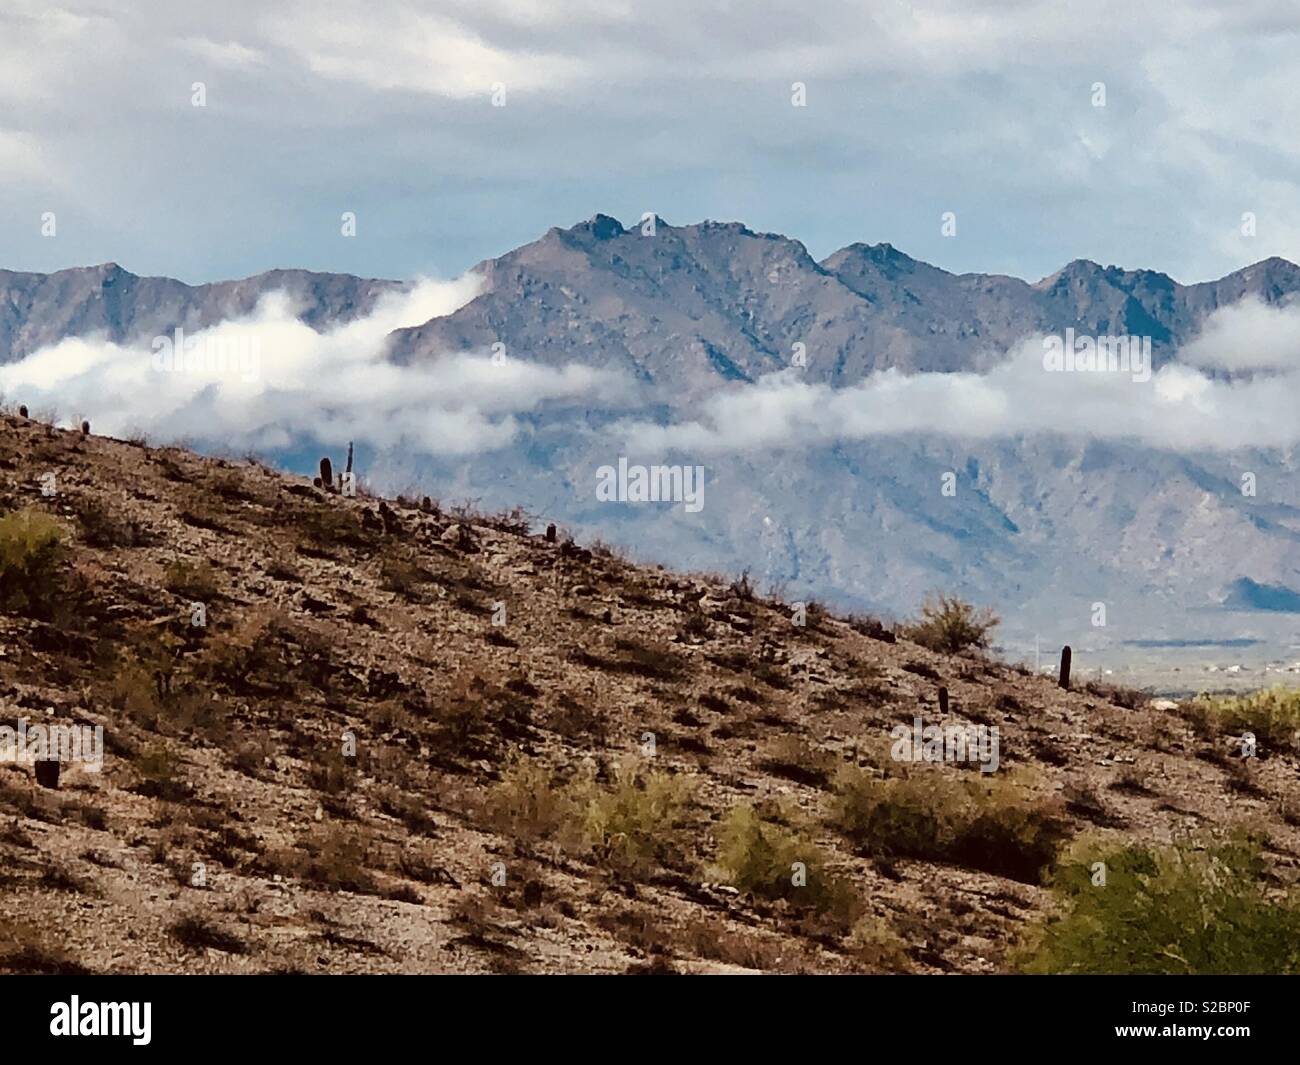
{"x":346,"y":482}
{"x":85,"y":428}
{"x":327,"y":473}
{"x":943,"y":701}
{"x":22,"y":411}
{"x":1065,"y":667}
{"x":550,"y":533}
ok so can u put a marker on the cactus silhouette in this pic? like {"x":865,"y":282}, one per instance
{"x":327,"y":474}
{"x":1065,"y":667}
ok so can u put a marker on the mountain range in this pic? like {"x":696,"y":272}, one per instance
{"x":1045,"y":526}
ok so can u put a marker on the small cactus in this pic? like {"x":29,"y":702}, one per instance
{"x":85,"y":428}
{"x":327,"y":473}
{"x":943,"y":701}
{"x":1065,"y":667}
{"x":550,"y":533}
{"x":22,"y":411}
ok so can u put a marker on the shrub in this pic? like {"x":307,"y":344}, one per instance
{"x":798,"y":760}
{"x":193,"y":580}
{"x":100,"y":527}
{"x":1178,"y":909}
{"x":652,"y":660}
{"x":1272,"y":715}
{"x":401,"y":573}
{"x":335,"y":860}
{"x":631,"y":824}
{"x":974,"y":821}
{"x":526,"y":803}
{"x":877,"y":946}
{"x":767,"y":859}
{"x":31,"y":549}
{"x":950,"y":625}
{"x":741,"y":587}
{"x":578,"y":721}
{"x":635,"y":822}
{"x":160,"y":775}
{"x":198,"y":933}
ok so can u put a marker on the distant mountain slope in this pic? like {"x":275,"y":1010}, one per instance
{"x":37,"y":310}
{"x":693,"y":306}
{"x":1041,"y":528}
{"x":689,"y":307}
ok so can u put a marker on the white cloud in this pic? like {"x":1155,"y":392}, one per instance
{"x":1179,"y":408}
{"x":224,"y":53}
{"x":681,"y":106}
{"x":21,"y":155}
{"x":268,"y":380}
{"x":1248,"y":335}
{"x":403,"y":47}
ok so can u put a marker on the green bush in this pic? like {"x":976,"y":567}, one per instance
{"x":976,"y":821}
{"x":31,"y":550}
{"x":1172,"y":910}
{"x":634,"y":823}
{"x":950,"y":625}
{"x":767,"y":859}
{"x":1273,"y":715}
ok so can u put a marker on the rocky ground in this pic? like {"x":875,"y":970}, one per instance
{"x":410,"y":739}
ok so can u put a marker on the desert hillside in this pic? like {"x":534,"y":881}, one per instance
{"x":354,"y":735}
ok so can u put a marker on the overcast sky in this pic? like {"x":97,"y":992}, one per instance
{"x":682,"y":107}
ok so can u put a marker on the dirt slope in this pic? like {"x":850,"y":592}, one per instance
{"x":233,"y":829}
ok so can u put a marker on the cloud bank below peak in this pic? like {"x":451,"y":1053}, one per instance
{"x":1186,"y":405}
{"x":267,"y":380}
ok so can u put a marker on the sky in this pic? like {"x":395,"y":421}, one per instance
{"x":455,"y":130}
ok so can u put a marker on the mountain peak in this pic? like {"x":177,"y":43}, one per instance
{"x":1081,"y":270}
{"x":105,"y":271}
{"x":600,"y":227}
